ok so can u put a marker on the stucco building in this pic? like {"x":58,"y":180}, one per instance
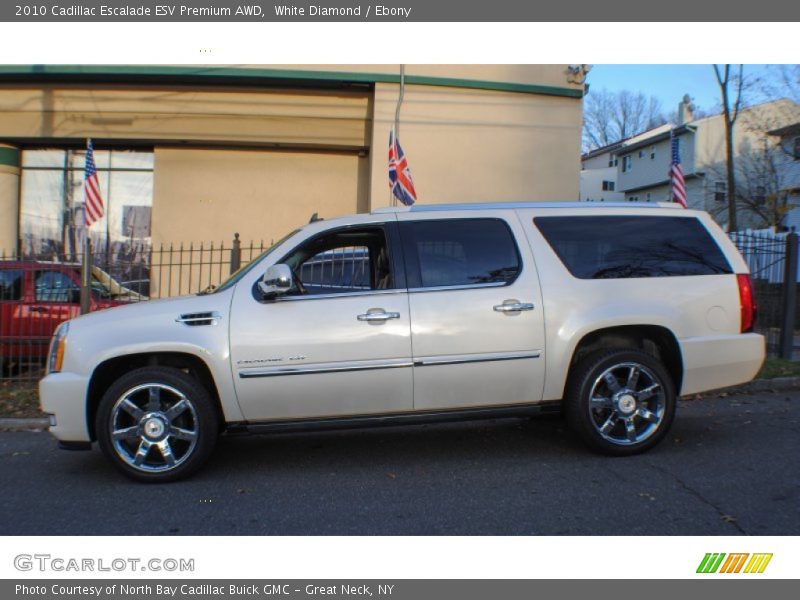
{"x":189,"y":154}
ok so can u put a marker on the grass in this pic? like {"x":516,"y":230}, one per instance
{"x":779,"y":367}
{"x":20,"y":399}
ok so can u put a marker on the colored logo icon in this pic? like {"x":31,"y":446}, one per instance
{"x":737,"y":562}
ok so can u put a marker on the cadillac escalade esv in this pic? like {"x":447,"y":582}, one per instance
{"x":608,"y":312}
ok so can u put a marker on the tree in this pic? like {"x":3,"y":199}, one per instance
{"x":731,"y":87}
{"x":609,"y":117}
{"x":781,"y":84}
{"x":761,"y":182}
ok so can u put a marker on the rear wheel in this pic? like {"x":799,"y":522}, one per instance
{"x":157,"y":424}
{"x":620,"y":402}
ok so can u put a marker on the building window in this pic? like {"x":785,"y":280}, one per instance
{"x":641,"y":153}
{"x":610,"y":162}
{"x":796,"y":148}
{"x":608,"y":186}
{"x":626,"y":163}
{"x":616,"y":162}
{"x":52,"y":199}
{"x":760,"y":197}
{"x":647,"y":198}
{"x":719,"y":191}
{"x":633,"y":199}
{"x":652,"y":152}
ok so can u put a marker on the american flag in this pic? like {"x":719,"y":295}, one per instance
{"x":676,"y":173}
{"x":93,"y":201}
{"x":399,"y":174}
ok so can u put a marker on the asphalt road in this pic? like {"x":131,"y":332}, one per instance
{"x":729,"y":466}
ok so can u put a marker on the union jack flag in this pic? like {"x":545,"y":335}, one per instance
{"x":676,"y":173}
{"x":399,"y":174}
{"x":93,"y":201}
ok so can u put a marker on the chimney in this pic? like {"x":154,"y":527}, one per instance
{"x":685,"y":110}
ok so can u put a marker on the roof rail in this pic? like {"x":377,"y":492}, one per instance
{"x":516,"y":205}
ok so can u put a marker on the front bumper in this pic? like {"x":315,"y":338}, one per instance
{"x":63,"y":395}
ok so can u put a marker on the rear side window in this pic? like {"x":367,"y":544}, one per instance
{"x":11,"y":284}
{"x":459,"y":252}
{"x":55,"y":286}
{"x":617,"y":247}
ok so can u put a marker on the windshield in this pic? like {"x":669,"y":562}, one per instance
{"x":244,"y":270}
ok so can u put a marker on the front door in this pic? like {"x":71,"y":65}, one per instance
{"x":338,"y":344}
{"x":476,"y":311}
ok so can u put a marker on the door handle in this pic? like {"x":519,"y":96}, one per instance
{"x":513,"y":306}
{"x":378,"y":315}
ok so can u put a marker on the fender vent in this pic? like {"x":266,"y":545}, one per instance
{"x":200,"y":318}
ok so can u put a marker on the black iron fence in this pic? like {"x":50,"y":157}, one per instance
{"x":38,"y":292}
{"x":772,"y":258}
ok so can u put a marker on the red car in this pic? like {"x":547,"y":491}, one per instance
{"x":36,"y":296}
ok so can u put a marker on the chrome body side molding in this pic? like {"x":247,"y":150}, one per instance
{"x":368,"y":365}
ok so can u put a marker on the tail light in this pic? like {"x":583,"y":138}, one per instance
{"x":748,"y":302}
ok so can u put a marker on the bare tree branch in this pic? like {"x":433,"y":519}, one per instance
{"x":609,"y":117}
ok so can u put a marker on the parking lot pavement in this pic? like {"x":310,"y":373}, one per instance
{"x":729,"y":466}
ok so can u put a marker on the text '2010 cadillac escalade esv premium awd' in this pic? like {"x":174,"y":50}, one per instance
{"x":610,"y":312}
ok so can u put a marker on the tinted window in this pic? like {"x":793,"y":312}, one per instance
{"x":11,"y":285}
{"x":55,"y":286}
{"x":605,"y":247}
{"x":459,"y":252}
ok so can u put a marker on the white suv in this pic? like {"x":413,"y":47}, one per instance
{"x":610,"y":311}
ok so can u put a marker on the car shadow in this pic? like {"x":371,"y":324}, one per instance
{"x":410,"y":447}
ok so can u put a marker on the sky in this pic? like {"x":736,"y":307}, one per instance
{"x":668,"y":83}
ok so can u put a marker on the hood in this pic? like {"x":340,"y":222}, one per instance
{"x":164,"y":311}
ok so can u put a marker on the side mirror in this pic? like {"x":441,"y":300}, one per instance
{"x":276,"y":281}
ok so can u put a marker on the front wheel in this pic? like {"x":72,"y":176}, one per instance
{"x":620,"y":402}
{"x":157,"y":424}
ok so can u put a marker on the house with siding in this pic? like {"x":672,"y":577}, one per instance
{"x":643,"y":163}
{"x":788,"y":159}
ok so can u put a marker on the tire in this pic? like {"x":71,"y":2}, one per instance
{"x":614,"y":412}
{"x":165,"y":422}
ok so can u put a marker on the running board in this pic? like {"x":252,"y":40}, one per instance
{"x":392,"y":420}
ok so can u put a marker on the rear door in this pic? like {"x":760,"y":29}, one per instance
{"x":477,"y":326}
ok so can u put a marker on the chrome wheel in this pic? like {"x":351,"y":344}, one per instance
{"x":627,"y":403}
{"x":154,"y":427}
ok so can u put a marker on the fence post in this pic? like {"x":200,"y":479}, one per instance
{"x":236,"y":253}
{"x":789,"y":297}
{"x":86,"y":276}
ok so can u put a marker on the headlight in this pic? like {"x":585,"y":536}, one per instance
{"x":57,"y":346}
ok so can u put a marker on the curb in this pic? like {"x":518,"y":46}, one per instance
{"x":28,"y":424}
{"x":778,"y":384}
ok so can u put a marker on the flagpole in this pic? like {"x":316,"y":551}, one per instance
{"x":108,"y":213}
{"x":396,"y":129}
{"x":669,"y":173}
